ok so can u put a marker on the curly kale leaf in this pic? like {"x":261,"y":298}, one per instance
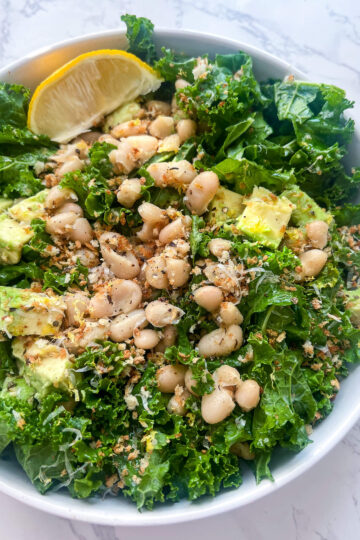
{"x":139,"y":32}
{"x":172,"y":66}
{"x":60,"y":280}
{"x":14,"y":100}
{"x":91,"y":184}
{"x":241,"y":175}
{"x":20,"y":275}
{"x":40,"y":243}
{"x":348,"y":214}
{"x":218,"y":100}
{"x":20,"y":149}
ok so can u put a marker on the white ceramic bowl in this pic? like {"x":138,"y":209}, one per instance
{"x":286,"y":466}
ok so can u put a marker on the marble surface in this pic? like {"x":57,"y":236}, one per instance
{"x":323,"y":39}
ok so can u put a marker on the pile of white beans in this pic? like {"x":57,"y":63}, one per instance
{"x":121,"y":305}
{"x":219,"y":404}
{"x":118,"y":303}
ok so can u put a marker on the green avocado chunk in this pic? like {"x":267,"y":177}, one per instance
{"x":42,"y":363}
{"x":28,"y":209}
{"x":226,"y":205}
{"x":15,"y":228}
{"x":265,"y":217}
{"x":24,"y":312}
{"x":13,"y":236}
{"x":353,"y":306}
{"x":307,"y":209}
{"x":124,"y":113}
{"x":5,"y":204}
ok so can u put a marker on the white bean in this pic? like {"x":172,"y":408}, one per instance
{"x":173,"y":173}
{"x":81,"y":231}
{"x":190,"y":382}
{"x":148,"y":232}
{"x":162,"y":126}
{"x":178,"y":272}
{"x":70,"y":165}
{"x":218,"y":246}
{"x":161,"y":314}
{"x":171,"y":143}
{"x":221,"y":342}
{"x":216,"y":406}
{"x":128,"y":129}
{"x":124,"y":325}
{"x":227,"y":378}
{"x":133,"y":152}
{"x":181,"y":83}
{"x":169,"y":377}
{"x":70,"y":207}
{"x":125,"y":295}
{"x":208,"y":297}
{"x":229,"y":314}
{"x":175,"y":229}
{"x":61,"y":223}
{"x":129,"y":192}
{"x":177,"y":403}
{"x":201,"y":191}
{"x":118,"y":296}
{"x":312,"y":262}
{"x":76,"y":307}
{"x":169,"y":334}
{"x":247,"y":395}
{"x":186,"y":128}
{"x":174,"y":105}
{"x":124,"y":264}
{"x":152,"y":214}
{"x":156,"y":107}
{"x":155,"y":273}
{"x":87,"y":335}
{"x":317,"y":233}
{"x":146,"y":339}
{"x":100,"y":306}
{"x":58,"y":196}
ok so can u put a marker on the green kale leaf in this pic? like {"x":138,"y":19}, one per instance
{"x":139,"y":32}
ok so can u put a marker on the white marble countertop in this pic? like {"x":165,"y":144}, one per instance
{"x":323,"y":39}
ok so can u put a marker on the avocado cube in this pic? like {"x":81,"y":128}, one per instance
{"x":13,"y":236}
{"x":124,"y":113}
{"x":353,"y":306}
{"x":226,"y":205}
{"x":31,"y":208}
{"x":42,"y":363}
{"x":24,"y":313}
{"x":307,"y":209}
{"x":5,"y":204}
{"x":265,"y":217}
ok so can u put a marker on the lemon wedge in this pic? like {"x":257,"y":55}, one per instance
{"x":76,"y":96}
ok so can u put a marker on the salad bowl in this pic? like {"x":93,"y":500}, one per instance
{"x":286,"y":466}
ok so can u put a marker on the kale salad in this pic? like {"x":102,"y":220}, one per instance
{"x":179,"y":284}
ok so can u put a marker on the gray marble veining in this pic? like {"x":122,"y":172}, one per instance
{"x":322,"y":38}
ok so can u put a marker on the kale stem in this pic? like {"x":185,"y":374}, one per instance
{"x":266,"y":320}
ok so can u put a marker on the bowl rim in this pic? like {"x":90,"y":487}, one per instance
{"x":159,"y":31}
{"x":199,"y":511}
